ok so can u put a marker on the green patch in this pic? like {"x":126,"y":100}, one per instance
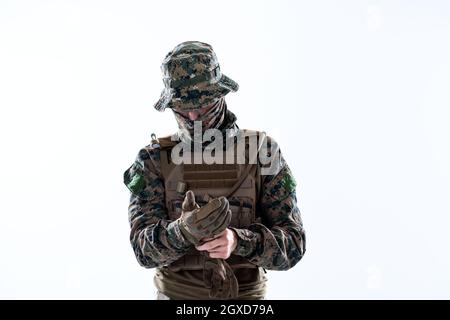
{"x":289,"y":183}
{"x":137,"y":184}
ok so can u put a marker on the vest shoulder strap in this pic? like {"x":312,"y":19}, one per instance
{"x":166,"y":142}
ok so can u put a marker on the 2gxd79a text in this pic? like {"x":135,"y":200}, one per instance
{"x":246,"y":309}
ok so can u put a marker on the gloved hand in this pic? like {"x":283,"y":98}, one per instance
{"x":197,"y":223}
{"x":220,"y":279}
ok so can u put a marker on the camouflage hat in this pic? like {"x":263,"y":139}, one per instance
{"x":192,"y":77}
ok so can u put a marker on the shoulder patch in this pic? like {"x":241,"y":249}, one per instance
{"x":289,"y":182}
{"x":134,"y":178}
{"x":137,"y":183}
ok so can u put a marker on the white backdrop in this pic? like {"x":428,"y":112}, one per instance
{"x":355,"y":92}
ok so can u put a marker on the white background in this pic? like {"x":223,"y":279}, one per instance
{"x":355,"y":92}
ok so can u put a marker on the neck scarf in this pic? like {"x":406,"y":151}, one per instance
{"x":219,"y":117}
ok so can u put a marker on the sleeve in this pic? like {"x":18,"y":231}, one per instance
{"x":155,"y":239}
{"x":278,"y":242}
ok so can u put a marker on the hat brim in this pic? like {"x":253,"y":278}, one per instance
{"x":195,"y":97}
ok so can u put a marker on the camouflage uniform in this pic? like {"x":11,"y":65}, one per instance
{"x":277,"y":243}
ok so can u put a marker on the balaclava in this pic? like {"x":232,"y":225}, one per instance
{"x":218,"y":117}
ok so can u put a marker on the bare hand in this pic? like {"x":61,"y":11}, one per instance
{"x":221,"y":246}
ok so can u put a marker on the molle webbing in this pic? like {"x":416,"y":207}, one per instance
{"x":210,"y":176}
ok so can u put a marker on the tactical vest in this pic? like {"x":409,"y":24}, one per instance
{"x":239,"y":183}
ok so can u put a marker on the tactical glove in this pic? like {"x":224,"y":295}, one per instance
{"x":220,"y":279}
{"x":197,"y":223}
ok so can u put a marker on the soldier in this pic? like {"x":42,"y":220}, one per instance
{"x":211,"y":230}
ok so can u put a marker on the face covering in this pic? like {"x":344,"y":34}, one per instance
{"x":212,"y":118}
{"x":218,"y":117}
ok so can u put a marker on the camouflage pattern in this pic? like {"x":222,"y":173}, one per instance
{"x":210,"y":119}
{"x":192,"y":77}
{"x":277,"y":243}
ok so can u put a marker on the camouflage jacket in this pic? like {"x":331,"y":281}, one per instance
{"x":277,"y":243}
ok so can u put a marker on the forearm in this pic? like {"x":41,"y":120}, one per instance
{"x":156,"y":241}
{"x":277,"y":248}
